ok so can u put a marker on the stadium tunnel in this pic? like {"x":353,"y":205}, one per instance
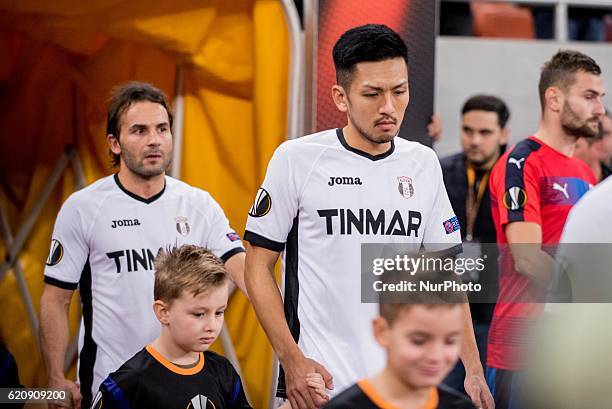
{"x":226,"y":67}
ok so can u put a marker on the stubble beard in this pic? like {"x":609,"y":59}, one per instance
{"x":572,"y":124}
{"x":138,"y":168}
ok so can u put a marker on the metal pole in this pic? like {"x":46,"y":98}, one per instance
{"x":79,"y":174}
{"x":20,"y":277}
{"x":179,"y":120}
{"x":273,"y":384}
{"x":561,"y":21}
{"x":26,"y":228}
{"x":311,"y":37}
{"x":296,"y":67}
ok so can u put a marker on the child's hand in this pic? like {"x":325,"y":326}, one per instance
{"x":316,"y":383}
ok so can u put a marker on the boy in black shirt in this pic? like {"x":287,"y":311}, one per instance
{"x":423,"y":342}
{"x":177,"y":370}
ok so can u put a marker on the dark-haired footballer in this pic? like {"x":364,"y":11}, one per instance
{"x":323,"y":196}
{"x":105,"y":239}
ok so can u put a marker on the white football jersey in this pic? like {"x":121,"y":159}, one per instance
{"x":584,"y":253}
{"x":321,"y":199}
{"x":105,"y":240}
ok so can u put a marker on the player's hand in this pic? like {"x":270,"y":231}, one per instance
{"x":477,"y":389}
{"x":73,"y":390}
{"x":300,"y":395}
{"x":317,"y":385}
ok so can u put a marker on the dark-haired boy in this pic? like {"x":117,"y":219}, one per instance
{"x":422,"y":341}
{"x":326,"y":194}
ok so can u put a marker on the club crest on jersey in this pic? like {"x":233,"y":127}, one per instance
{"x":451,"y":225}
{"x":182,"y":226}
{"x":201,"y":402}
{"x":56,"y":252}
{"x":404,"y":185}
{"x":262,"y":204}
{"x":515,"y":198}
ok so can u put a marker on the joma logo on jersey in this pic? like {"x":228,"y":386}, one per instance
{"x":343,"y":180}
{"x":363,"y":221}
{"x":133,"y":258}
{"x":125,"y":223}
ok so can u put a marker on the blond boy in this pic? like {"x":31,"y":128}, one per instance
{"x":177,"y":370}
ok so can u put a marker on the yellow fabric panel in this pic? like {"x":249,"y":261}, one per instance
{"x":53,"y":104}
{"x":59,"y":65}
{"x":35,"y":126}
{"x":239,"y":135}
{"x":270,"y":83}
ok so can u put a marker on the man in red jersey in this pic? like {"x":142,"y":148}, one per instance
{"x":533,"y":187}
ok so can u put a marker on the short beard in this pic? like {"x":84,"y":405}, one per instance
{"x":369,"y":136}
{"x":570,"y":122}
{"x":140,"y":170}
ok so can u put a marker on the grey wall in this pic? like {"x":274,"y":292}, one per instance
{"x":509,"y":69}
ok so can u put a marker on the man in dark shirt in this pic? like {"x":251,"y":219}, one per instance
{"x":483,"y":139}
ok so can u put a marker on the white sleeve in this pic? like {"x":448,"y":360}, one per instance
{"x":221,"y":239}
{"x":69,"y":247}
{"x":583,"y":255}
{"x":275,"y":206}
{"x":580,"y":226}
{"x":442,"y":226}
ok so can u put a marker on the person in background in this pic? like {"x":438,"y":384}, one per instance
{"x":484,"y":136}
{"x":533,"y":188}
{"x":591,"y":151}
{"x":606,"y":128}
{"x":106,"y":237}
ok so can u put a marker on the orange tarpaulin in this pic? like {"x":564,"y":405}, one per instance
{"x":60,"y":61}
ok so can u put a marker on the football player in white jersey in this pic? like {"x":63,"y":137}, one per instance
{"x":107,"y":235}
{"x":326,"y":194}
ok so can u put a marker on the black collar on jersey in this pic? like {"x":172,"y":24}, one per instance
{"x":135,"y":196}
{"x":362,"y":153}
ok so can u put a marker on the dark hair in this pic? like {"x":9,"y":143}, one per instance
{"x":488,"y":103}
{"x":561,"y":69}
{"x":391,"y":304}
{"x":123,"y":97}
{"x":368,"y":43}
